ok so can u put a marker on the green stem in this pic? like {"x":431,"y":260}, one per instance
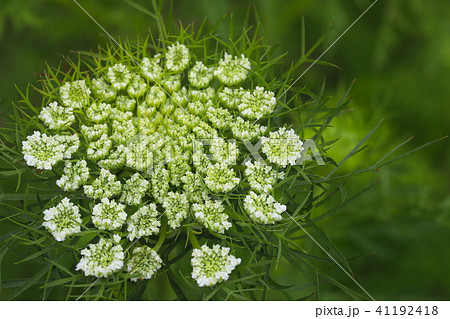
{"x":192,"y":239}
{"x":162,"y":234}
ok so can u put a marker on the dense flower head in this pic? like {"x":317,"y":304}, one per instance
{"x":134,"y":190}
{"x":258,"y":103}
{"x":211,"y":215}
{"x":220,"y":178}
{"x":102,"y":89}
{"x":75,"y":175}
{"x":99,"y":149}
{"x":105,"y":185}
{"x":232,"y":70}
{"x":212,"y":265}
{"x":108,"y":215}
{"x":262,"y":208}
{"x":223,"y":151}
{"x":165,"y":137}
{"x":231,"y":98}
{"x":42,"y":151}
{"x":144,"y":263}
{"x":57,"y":117}
{"x":75,"y":94}
{"x":282,"y":147}
{"x":245,"y":130}
{"x":200,"y":76}
{"x":261,"y":177}
{"x":177,"y":57}
{"x":63,"y":220}
{"x":98,"y":113}
{"x":101,"y":259}
{"x":119,"y":76}
{"x":176,"y":207}
{"x":144,"y":222}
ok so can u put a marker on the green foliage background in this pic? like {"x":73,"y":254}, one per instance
{"x":399,"y":55}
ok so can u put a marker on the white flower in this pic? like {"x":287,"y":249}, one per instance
{"x":220,"y":178}
{"x":151,"y":70}
{"x":123,"y":131}
{"x":75,"y":94}
{"x":231,"y":98}
{"x":138,"y":155}
{"x":120,"y":116}
{"x":203,"y":95}
{"x":155,"y":96}
{"x":263,"y":208}
{"x":212,"y":265}
{"x":108,"y":215}
{"x":125,"y":104}
{"x":194,"y":187}
{"x":282,"y":147}
{"x":258,"y":103}
{"x":71,"y":144}
{"x":103,"y":90}
{"x":94,"y":132}
{"x":177,"y":57}
{"x":57,"y":117}
{"x":232,"y":70}
{"x":171,"y":83}
{"x":160,"y":180}
{"x":144,"y":222}
{"x":211,"y":215}
{"x":99,"y":149}
{"x":134,"y":190}
{"x":144,"y":263}
{"x":42,"y":151}
{"x":116,"y":238}
{"x":116,"y":159}
{"x":220,"y":118}
{"x":245,"y":130}
{"x":261,"y":177}
{"x":119,"y":76}
{"x":106,"y":185}
{"x":75,"y":174}
{"x":200,"y":75}
{"x":137,"y":87}
{"x":98,"y":113}
{"x":176,"y":208}
{"x":63,"y":220}
{"x":223,"y":151}
{"x":101,"y":259}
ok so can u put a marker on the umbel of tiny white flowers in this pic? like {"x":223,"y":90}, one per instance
{"x":211,"y":215}
{"x":144,"y":263}
{"x":108,"y":215}
{"x":212,"y":265}
{"x":282,"y":147}
{"x":144,"y":222}
{"x":137,"y":126}
{"x":62,"y":220}
{"x":101,"y":259}
{"x":263,"y":208}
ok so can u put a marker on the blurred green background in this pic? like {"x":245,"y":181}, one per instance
{"x":399,"y":55}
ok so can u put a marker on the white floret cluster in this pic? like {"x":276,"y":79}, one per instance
{"x":263,"y":208}
{"x":144,"y":222}
{"x":57,"y":117}
{"x":63,"y":220}
{"x":144,"y":263}
{"x":211,"y":215}
{"x":212,"y":265}
{"x":282,"y":147}
{"x":134,"y":160}
{"x":108,"y":215}
{"x":101,"y":259}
